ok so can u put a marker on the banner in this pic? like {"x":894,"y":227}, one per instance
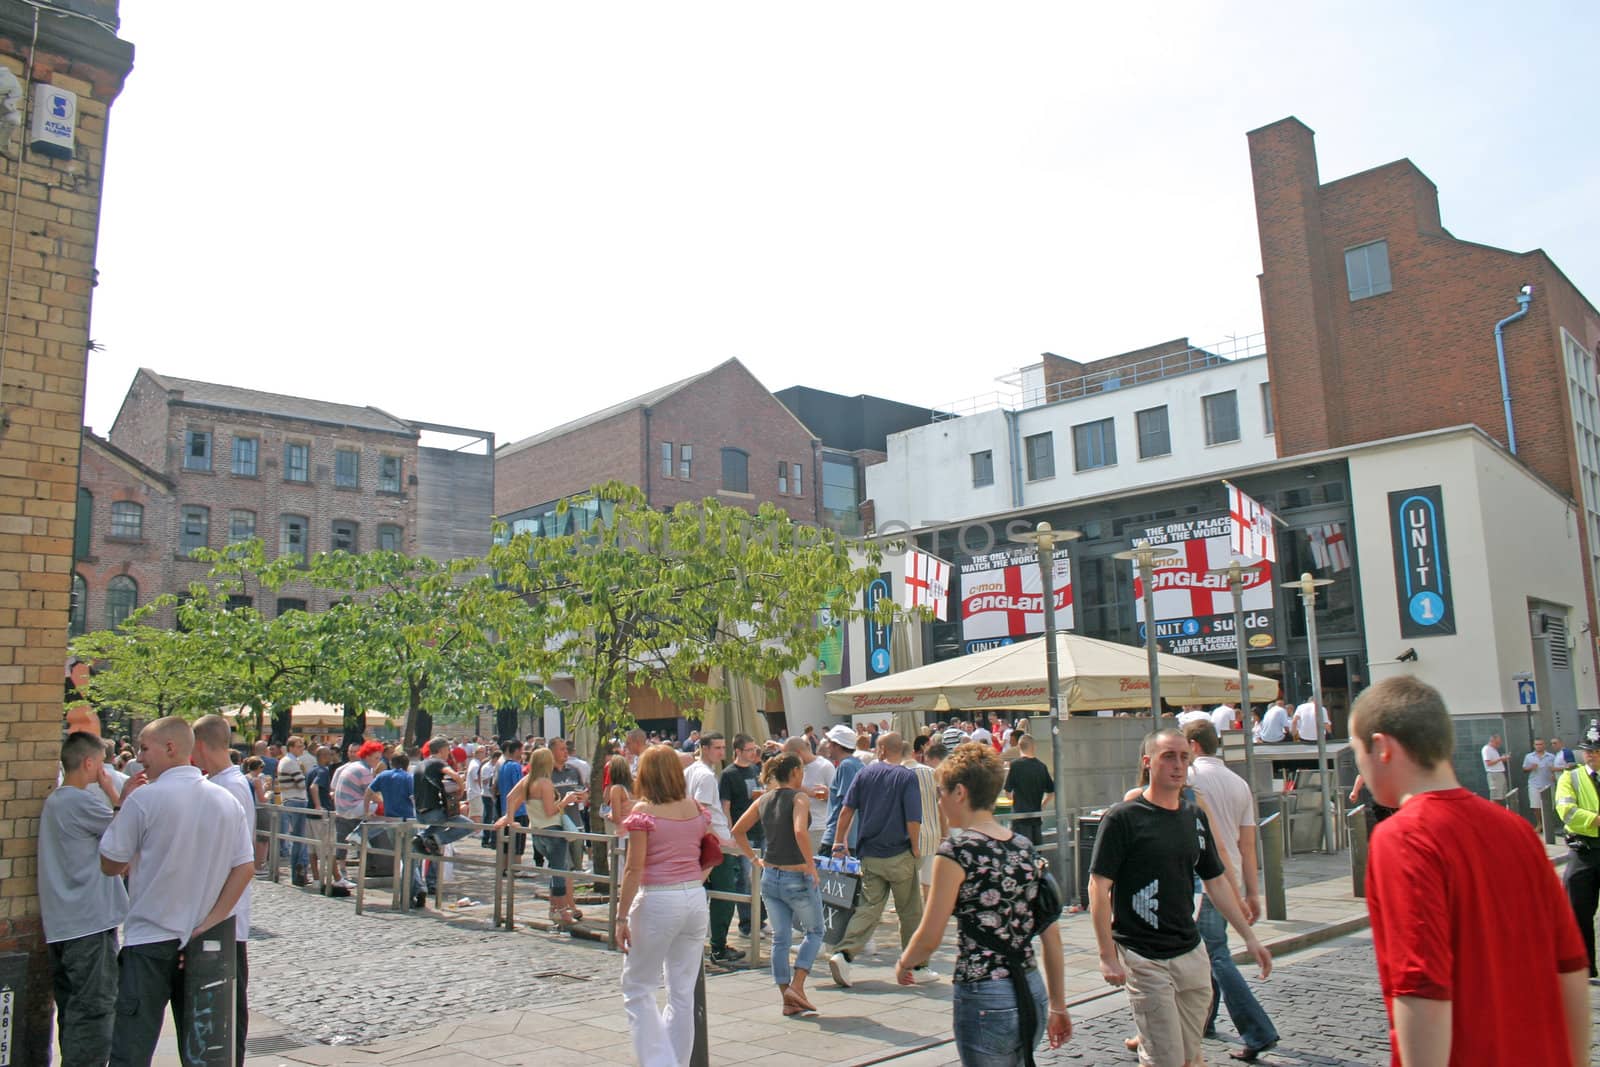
{"x":927,"y":584}
{"x":1002,"y":597}
{"x":1421,"y":562}
{"x":830,"y":654}
{"x":877,"y":632}
{"x":1194,"y":609}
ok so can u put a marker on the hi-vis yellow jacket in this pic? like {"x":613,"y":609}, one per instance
{"x":1577,"y":804}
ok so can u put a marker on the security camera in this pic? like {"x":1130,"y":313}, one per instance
{"x":1408,"y":656}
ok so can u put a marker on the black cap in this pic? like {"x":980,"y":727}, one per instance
{"x":1591,"y":736}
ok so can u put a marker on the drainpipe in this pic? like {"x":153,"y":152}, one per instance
{"x":649,"y":458}
{"x":1523,"y":298}
{"x":1015,"y":452}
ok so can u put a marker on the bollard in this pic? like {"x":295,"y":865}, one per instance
{"x":272,"y":844}
{"x":1271,"y":829}
{"x":755,"y":914}
{"x":499,"y":873}
{"x":1547,"y":814}
{"x":329,"y":852}
{"x":701,"y":1055}
{"x":1356,"y":827}
{"x":210,"y":969}
{"x":408,"y":865}
{"x":362,"y":843}
{"x":613,"y":888}
{"x":15,"y":995}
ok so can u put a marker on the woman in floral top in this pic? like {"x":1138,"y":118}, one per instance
{"x":989,"y":878}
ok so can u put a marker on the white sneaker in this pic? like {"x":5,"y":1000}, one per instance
{"x":344,"y":883}
{"x":872,"y":947}
{"x":924,"y":975}
{"x":839,"y":967}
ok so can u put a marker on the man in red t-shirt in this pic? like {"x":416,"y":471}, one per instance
{"x":1473,"y":935}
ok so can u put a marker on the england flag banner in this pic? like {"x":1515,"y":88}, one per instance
{"x":927,"y":584}
{"x":1194,"y":608}
{"x":1002,"y":598}
{"x":1251,"y":527}
{"x":1329,"y":549}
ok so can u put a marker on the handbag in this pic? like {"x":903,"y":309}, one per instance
{"x":710,"y":847}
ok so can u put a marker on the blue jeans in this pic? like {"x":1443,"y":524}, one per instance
{"x":793,"y":900}
{"x":988,"y":1031}
{"x":288,"y":823}
{"x":1249,"y":1018}
{"x":444,"y":830}
{"x":552,"y":852}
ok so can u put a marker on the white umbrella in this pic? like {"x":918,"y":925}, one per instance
{"x":1095,"y":676}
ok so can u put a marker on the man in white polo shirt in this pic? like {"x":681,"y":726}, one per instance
{"x":211,"y":736}
{"x":185,"y":844}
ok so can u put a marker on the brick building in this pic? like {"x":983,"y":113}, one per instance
{"x":49,"y":206}
{"x":117,"y":563}
{"x":1381,"y":323}
{"x":305,"y":476}
{"x":717,"y":434}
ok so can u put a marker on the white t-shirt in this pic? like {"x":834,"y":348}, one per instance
{"x":1489,"y":753}
{"x":1541,"y":771}
{"x":488,"y":777}
{"x":1274,"y":724}
{"x":1305,"y":722}
{"x":1222,"y":717}
{"x":703,"y":784}
{"x":818,"y":772}
{"x":1232,"y":808}
{"x":184,"y":836}
{"x":474,"y":784}
{"x":982,"y":734}
{"x":234,"y":781}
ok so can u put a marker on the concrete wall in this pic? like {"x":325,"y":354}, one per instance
{"x":454,"y":502}
{"x":928,"y":476}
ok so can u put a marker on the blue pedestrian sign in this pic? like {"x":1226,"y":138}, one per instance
{"x":1527,"y":695}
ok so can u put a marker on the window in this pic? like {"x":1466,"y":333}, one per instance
{"x":290,"y":603}
{"x":241,"y":526}
{"x":1094,"y":444}
{"x":389,"y":474}
{"x":244,"y":456}
{"x":841,"y":494}
{"x":783,"y":478}
{"x":78,"y":612}
{"x":1040,"y":453}
{"x":794,"y":480}
{"x":685,"y":459}
{"x":347,"y":468}
{"x":389,"y":538}
{"x":122,"y":596}
{"x":194,"y":528}
{"x":666,"y":459}
{"x":344,"y":536}
{"x":127,"y":520}
{"x":1222,"y":417}
{"x":1266,"y":409}
{"x":1367,"y":269}
{"x":83,"y":525}
{"x":197,"y":450}
{"x":239,"y":600}
{"x":982,"y":468}
{"x":297,"y":463}
{"x":735,"y":471}
{"x":292,"y":536}
{"x":1155,"y":438}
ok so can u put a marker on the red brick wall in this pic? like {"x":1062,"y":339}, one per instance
{"x":147,"y":561}
{"x":141,"y":426}
{"x":609,"y":450}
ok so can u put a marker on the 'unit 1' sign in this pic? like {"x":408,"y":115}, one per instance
{"x":1421,"y":562}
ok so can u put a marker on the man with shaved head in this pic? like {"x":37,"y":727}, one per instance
{"x":185,"y":843}
{"x":212,"y":734}
{"x":887,"y":802}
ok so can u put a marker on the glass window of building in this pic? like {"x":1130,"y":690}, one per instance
{"x":241,"y":526}
{"x":783,"y":478}
{"x":1269,"y":424}
{"x":390,"y":538}
{"x":735,"y":471}
{"x":194,"y":528}
{"x":297,"y":462}
{"x":344,"y":536}
{"x":292,"y":536}
{"x":389,"y":470}
{"x":1094,"y":445}
{"x":794,"y":480}
{"x":841,"y":496}
{"x":1155,"y":438}
{"x":1040,"y":453}
{"x":245,"y":450}
{"x":347,"y":468}
{"x":197,"y":450}
{"x":127,"y":520}
{"x":666,"y":459}
{"x":78,"y":609}
{"x":290,"y":603}
{"x":982,"y":468}
{"x":83,"y":525}
{"x":1366,"y":268}
{"x":1222,"y":417}
{"x":685,"y":461}
{"x":122,"y":597}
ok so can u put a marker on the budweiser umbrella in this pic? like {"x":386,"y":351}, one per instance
{"x":1095,"y":676}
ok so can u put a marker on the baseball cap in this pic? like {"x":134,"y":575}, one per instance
{"x":1591,"y":736}
{"x":842,"y":736}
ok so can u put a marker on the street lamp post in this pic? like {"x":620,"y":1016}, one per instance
{"x":1234,"y":572}
{"x":1044,"y":537}
{"x":1307,"y":587}
{"x":1145,"y":555}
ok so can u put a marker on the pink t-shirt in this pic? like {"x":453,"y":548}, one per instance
{"x":673,"y":853}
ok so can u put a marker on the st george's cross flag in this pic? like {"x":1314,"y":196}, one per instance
{"x":927,"y":584}
{"x":1252,"y":527}
{"x":1329,"y":550}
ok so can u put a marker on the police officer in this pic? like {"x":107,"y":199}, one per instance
{"x":1578,"y":807}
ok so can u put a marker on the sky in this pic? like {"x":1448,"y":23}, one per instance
{"x":503,"y":215}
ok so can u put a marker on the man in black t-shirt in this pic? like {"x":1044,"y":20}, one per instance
{"x":429,"y":796}
{"x":1141,"y":895}
{"x":1028,"y":782}
{"x":738,"y":788}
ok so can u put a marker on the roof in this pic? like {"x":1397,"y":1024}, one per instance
{"x":234,"y":398}
{"x":644,"y":400}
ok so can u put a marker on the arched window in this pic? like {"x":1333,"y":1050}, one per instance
{"x":78,"y":613}
{"x":122,"y":596}
{"x":735,"y":471}
{"x":83,"y":524}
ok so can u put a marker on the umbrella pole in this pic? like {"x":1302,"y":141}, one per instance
{"x":1047,"y":561}
{"x":1236,"y":586}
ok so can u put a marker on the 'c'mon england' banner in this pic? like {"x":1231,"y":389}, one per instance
{"x":1002,"y":597}
{"x":1194,"y":609}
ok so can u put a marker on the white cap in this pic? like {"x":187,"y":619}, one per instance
{"x":842,"y":736}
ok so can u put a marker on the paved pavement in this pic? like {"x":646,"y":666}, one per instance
{"x":330,"y":987}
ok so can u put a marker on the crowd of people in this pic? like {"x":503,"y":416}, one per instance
{"x":162,"y":844}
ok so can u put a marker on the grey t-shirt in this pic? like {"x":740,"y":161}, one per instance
{"x":75,"y":899}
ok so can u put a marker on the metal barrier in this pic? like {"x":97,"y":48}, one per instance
{"x":1272,"y":833}
{"x":318,"y":819}
{"x":1356,"y":827}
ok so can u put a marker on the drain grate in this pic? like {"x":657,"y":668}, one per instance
{"x":268,"y":1043}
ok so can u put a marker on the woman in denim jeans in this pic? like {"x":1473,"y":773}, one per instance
{"x":989,"y":878}
{"x":789,"y":875}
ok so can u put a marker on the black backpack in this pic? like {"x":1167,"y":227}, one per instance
{"x":425,"y":791}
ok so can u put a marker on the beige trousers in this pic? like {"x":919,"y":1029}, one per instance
{"x":1170,"y":1000}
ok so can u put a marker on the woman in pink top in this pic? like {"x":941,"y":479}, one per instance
{"x":663,"y":915}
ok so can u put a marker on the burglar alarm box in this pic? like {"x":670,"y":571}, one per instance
{"x":55,"y":117}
